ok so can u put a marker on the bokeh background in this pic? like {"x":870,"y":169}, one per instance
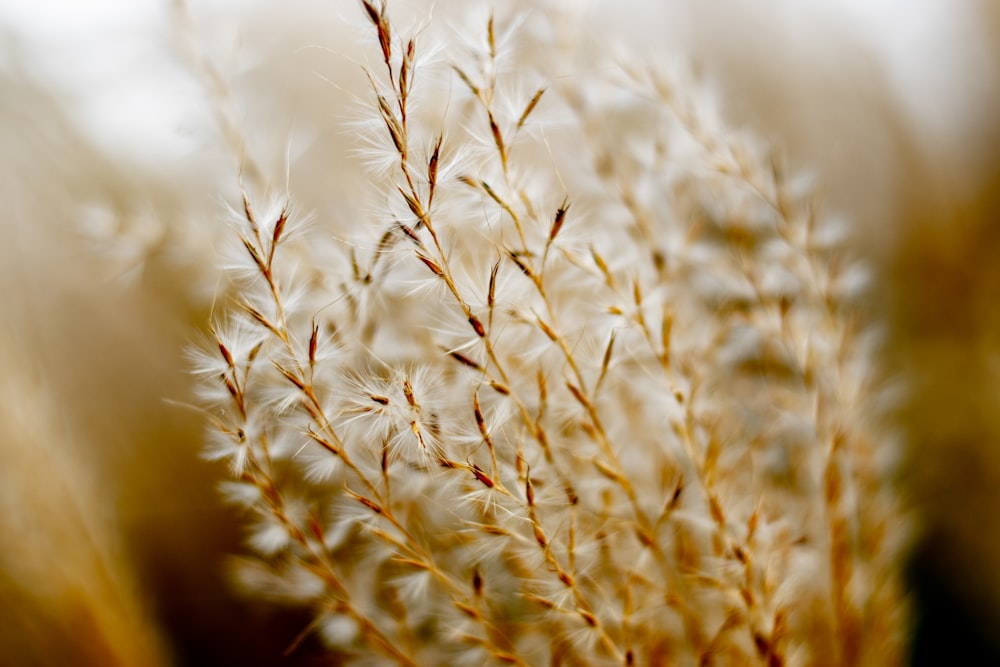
{"x":122,"y":128}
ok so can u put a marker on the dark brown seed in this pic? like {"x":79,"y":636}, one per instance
{"x":477,"y":326}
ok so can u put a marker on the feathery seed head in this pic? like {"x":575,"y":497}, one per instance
{"x":587,"y":384}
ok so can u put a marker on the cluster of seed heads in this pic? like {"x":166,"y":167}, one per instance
{"x":589,"y":387}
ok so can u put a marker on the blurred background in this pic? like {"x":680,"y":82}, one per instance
{"x":122,"y":125}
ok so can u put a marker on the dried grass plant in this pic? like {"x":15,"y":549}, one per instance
{"x":112,"y":539}
{"x":588,"y":379}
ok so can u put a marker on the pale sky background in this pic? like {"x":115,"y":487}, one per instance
{"x":111,"y":60}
